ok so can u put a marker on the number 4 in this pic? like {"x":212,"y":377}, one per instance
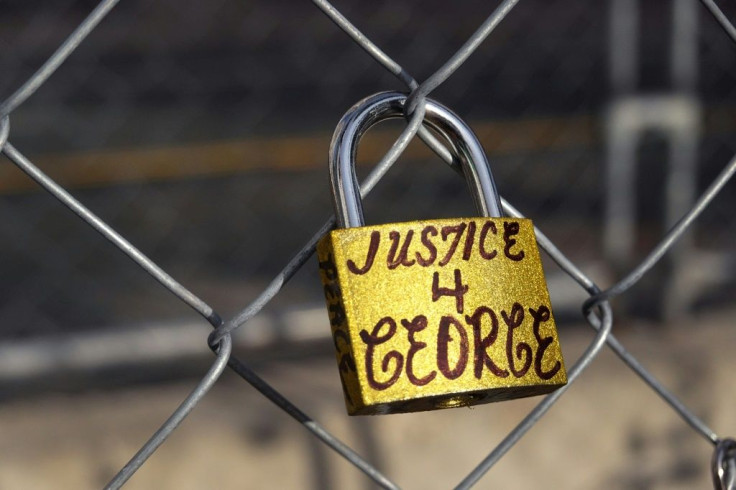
{"x":458,"y":292}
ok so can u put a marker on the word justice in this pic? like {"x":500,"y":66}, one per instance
{"x":454,"y":341}
{"x":428,"y":249}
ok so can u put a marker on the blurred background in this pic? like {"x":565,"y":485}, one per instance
{"x":199,"y":131}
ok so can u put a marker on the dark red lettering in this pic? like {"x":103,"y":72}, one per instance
{"x":513,"y":320}
{"x":428,"y":230}
{"x":458,"y":293}
{"x":481,"y":344}
{"x":328,"y":267}
{"x":332,"y":291}
{"x":347,"y":363}
{"x":446,"y":231}
{"x":346,"y":393}
{"x":372,"y":340}
{"x":443,"y":339}
{"x":488,"y":225}
{"x":418,"y":324}
{"x":542,"y":314}
{"x":372,"y":249}
{"x":392,"y":261}
{"x":336,"y":314}
{"x":469,"y":241}
{"x":510,"y":229}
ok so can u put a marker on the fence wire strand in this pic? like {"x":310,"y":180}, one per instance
{"x":222,"y":353}
{"x":389,"y":64}
{"x":596,"y":309}
{"x":56,"y":59}
{"x":718,"y":14}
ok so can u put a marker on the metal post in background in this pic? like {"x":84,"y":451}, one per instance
{"x":677,"y":116}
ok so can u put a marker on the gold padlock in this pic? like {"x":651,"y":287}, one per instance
{"x":439,"y":313}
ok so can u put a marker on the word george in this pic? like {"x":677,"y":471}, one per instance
{"x":520,"y":356}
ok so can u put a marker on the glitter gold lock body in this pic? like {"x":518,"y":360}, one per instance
{"x":438,"y":313}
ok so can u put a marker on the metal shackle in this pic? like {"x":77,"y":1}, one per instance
{"x":386,"y":105}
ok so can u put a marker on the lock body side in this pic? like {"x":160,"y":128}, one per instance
{"x":439,"y":313}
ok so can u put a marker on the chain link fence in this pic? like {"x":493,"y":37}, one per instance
{"x":199,"y":134}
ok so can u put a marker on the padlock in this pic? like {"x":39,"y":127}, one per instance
{"x":439,"y":313}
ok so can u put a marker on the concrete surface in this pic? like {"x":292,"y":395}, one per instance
{"x":608,"y":431}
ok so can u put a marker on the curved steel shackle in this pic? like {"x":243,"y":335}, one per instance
{"x":387,"y":105}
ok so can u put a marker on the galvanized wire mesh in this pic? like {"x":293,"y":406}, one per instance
{"x":597,"y":309}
